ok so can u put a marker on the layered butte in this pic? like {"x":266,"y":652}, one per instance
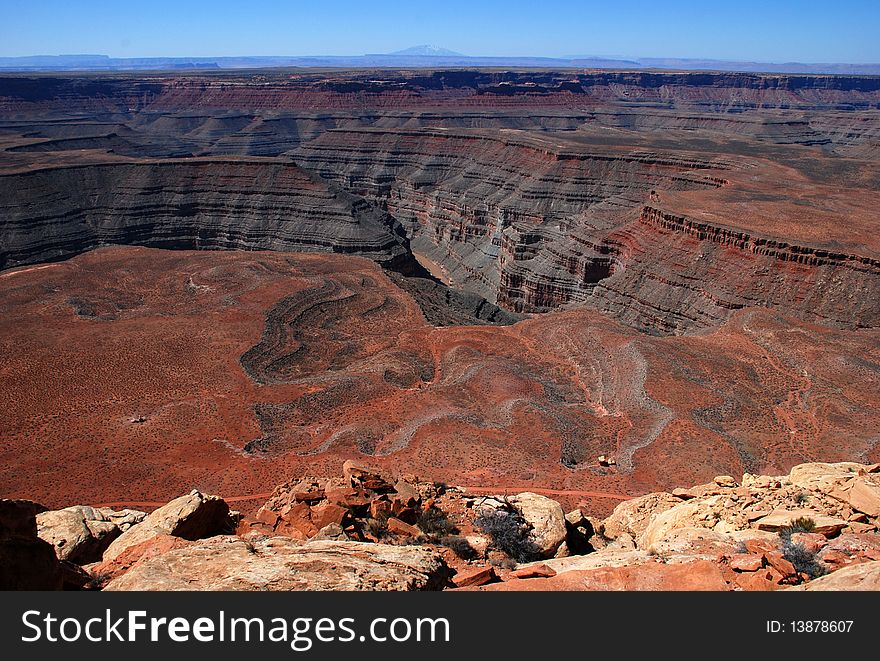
{"x":511,"y":273}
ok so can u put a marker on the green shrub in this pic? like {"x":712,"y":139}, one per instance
{"x":800,"y":524}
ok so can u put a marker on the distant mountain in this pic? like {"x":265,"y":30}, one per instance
{"x":417,"y":57}
{"x":427,"y":51}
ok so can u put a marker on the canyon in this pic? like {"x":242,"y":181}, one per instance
{"x":489,"y":278}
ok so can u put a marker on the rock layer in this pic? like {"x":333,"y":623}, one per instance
{"x":278,"y":563}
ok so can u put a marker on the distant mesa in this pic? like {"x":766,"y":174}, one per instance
{"x":426,"y":50}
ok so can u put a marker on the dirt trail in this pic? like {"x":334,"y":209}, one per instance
{"x":547,"y":492}
{"x":153,"y":503}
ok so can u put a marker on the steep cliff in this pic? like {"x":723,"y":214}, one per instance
{"x":53,"y":213}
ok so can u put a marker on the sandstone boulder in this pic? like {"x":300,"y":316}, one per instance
{"x":106,"y":570}
{"x":695,"y":513}
{"x":700,"y":575}
{"x":603,"y":558}
{"x":632,"y":516}
{"x":546,"y":518}
{"x":823,"y":477}
{"x":280,"y":563}
{"x":779,"y":519}
{"x":80,"y":533}
{"x":192,"y":516}
{"x":862,"y":577}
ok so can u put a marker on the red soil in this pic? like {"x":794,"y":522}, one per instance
{"x":122,"y":382}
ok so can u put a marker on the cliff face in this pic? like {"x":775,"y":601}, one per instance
{"x":390,"y":89}
{"x":482,"y":203}
{"x":54,"y":213}
{"x":668,"y":200}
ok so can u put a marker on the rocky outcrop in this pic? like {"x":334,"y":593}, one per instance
{"x":770,"y":504}
{"x":631,"y":517}
{"x":864,"y":577}
{"x":371,"y":530}
{"x":546,"y":520}
{"x":26,"y":561}
{"x":192,"y":516}
{"x":279,"y":563}
{"x":81,"y":533}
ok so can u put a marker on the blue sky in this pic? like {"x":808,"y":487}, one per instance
{"x":806,"y":31}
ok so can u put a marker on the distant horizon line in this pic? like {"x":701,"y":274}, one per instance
{"x":417,"y":57}
{"x":450,"y":55}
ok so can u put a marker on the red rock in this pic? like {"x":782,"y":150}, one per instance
{"x":702,"y":575}
{"x":535,"y":571}
{"x":834,"y":557}
{"x":759,"y":546}
{"x":133,"y":555}
{"x":377,"y":485}
{"x":398,"y":527}
{"x":310,"y":497}
{"x":772,"y":574}
{"x":755,"y":582}
{"x":379,"y":508}
{"x":407,"y":514}
{"x":780,"y":564}
{"x":268,"y":517}
{"x":324,"y":515}
{"x":747,"y":562}
{"x":811,"y":541}
{"x":360,"y":475}
{"x":474,"y":577}
{"x":296,"y":522}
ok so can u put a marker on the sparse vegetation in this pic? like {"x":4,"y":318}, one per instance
{"x":460,"y":546}
{"x":803,"y":559}
{"x":800,"y":524}
{"x":435,"y":524}
{"x":509,"y":532}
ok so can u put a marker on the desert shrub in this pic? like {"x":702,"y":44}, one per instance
{"x":460,"y":546}
{"x":434,"y":523}
{"x":803,"y":559}
{"x":802,"y":498}
{"x":800,"y":524}
{"x":509,"y":532}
